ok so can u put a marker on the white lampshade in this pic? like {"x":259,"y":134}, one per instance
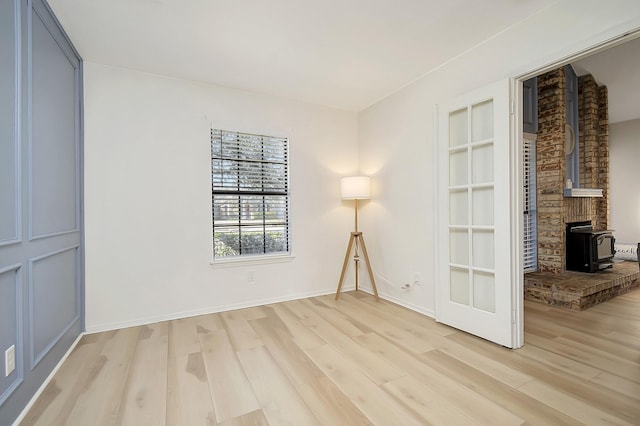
{"x":355,"y":188}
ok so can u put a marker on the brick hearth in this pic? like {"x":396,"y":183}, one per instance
{"x":578,"y":290}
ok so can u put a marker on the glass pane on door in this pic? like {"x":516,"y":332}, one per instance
{"x":459,"y":247}
{"x":458,"y":168}
{"x":471,"y":197}
{"x":482,"y":121}
{"x":484,"y":291}
{"x":482,"y":158}
{"x":460,"y":286}
{"x":483,"y":249}
{"x":459,"y":207}
{"x":458,"y":128}
{"x":482,"y":201}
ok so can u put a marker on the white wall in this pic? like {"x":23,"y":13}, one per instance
{"x":148,"y":197}
{"x":147,"y":206}
{"x":397,"y":134}
{"x":624,"y":175}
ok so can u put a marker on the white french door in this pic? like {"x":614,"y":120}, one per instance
{"x":473,"y":226}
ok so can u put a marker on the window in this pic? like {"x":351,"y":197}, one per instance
{"x":250,"y":194}
{"x":530,"y":241}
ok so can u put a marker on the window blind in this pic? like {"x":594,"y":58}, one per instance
{"x":250,"y":194}
{"x":530,"y":238}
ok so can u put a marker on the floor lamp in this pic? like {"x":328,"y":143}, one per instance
{"x":356,"y":188}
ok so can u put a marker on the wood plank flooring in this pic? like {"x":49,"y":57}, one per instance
{"x":356,"y":361}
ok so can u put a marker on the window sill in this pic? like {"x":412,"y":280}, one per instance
{"x":251,"y":260}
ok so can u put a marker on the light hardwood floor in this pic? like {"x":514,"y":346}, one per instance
{"x":352,"y":362}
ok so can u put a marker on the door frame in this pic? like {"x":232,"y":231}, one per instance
{"x":517,"y":164}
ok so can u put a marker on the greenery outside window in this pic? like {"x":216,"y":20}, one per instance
{"x":250,"y":194}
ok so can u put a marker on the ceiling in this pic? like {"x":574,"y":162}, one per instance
{"x":346,"y":54}
{"x":618,"y":68}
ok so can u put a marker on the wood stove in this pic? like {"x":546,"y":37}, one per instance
{"x":588,"y":250}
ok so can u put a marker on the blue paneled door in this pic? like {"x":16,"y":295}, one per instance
{"x":41,"y":255}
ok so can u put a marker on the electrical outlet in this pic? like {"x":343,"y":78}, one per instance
{"x":9,"y":360}
{"x":251,"y":276}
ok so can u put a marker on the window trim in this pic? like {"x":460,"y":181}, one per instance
{"x":253,"y":258}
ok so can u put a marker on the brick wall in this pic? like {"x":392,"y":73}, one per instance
{"x":554,"y":210}
{"x":551,"y":168}
{"x":588,"y":128}
{"x":602,"y":218}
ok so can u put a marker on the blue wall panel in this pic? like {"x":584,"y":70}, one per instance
{"x":41,"y":249}
{"x":10,"y":325}
{"x":9,"y":164}
{"x":54,"y":305}
{"x":54,"y":151}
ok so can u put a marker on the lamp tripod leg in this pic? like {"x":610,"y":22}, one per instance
{"x":344,"y":265}
{"x":366,"y":259}
{"x":358,"y":239}
{"x":356,"y":259}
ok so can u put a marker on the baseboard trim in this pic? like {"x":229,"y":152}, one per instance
{"x":404,"y":304}
{"x":193,"y":313}
{"x":204,"y":311}
{"x":46,"y":382}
